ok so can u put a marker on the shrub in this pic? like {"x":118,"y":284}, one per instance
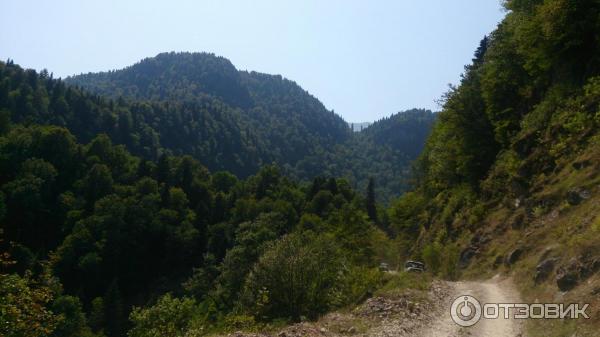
{"x":169,"y":317}
{"x":295,"y":277}
{"x":23,"y":309}
{"x":450,"y":258}
{"x":432,"y":256}
{"x":358,"y":283}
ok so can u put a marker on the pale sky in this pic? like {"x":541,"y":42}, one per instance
{"x":363,"y":59}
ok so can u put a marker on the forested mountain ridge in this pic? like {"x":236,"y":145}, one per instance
{"x":287,"y":126}
{"x":171,"y":76}
{"x":403,"y":130}
{"x":293,"y":122}
{"x":281,"y":121}
{"x":206,"y":128}
{"x":385,"y":150}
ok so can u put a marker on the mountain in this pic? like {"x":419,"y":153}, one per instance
{"x":173,"y":77}
{"x":206,"y":128}
{"x":282,"y":122}
{"x":384,"y":151}
{"x":176,"y":104}
{"x":289,"y":121}
{"x":404,"y":130}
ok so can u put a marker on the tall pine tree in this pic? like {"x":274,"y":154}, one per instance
{"x":114,"y":315}
{"x":371,"y":207}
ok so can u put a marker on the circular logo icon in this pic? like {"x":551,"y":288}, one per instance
{"x":465,"y":310}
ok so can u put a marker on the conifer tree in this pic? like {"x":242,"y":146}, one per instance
{"x":371,"y":207}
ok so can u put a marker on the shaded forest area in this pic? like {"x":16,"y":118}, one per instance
{"x":106,"y":210}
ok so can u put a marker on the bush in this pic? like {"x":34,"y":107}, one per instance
{"x":296,"y":277}
{"x":73,"y":323}
{"x":450,"y":258}
{"x":357,"y":284}
{"x":169,"y":317}
{"x":432,"y":256}
{"x":23,"y":309}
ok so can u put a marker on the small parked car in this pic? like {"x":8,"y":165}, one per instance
{"x":414,"y":266}
{"x":384,"y":267}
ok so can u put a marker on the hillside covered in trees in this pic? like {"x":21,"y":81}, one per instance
{"x":285,"y":120}
{"x":118,"y":232}
{"x":116,"y":209}
{"x":508,"y":180}
{"x":526,"y":109}
{"x":288,"y":127}
{"x":282,"y":122}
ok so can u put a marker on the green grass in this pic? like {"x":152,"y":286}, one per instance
{"x":398,"y":283}
{"x":558,"y":328}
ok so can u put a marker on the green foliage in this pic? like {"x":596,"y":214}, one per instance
{"x":450,"y":259}
{"x":23,"y":306}
{"x":432,"y":256}
{"x":96,"y":315}
{"x":122,"y":230}
{"x":357,"y":284}
{"x":4,"y":121}
{"x":169,"y":317}
{"x":526,"y":105}
{"x":73,"y":322}
{"x":112,"y":303}
{"x":371,"y":203}
{"x":401,"y":281}
{"x":354,"y":234}
{"x":407,"y":215}
{"x":250,"y":241}
{"x":2,"y":206}
{"x":199,"y":105}
{"x":295,"y":277}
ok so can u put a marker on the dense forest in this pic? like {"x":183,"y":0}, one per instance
{"x":385,"y":151}
{"x":114,"y":210}
{"x":284,"y":118}
{"x":282,"y":122}
{"x":91,"y":231}
{"x":287,"y":126}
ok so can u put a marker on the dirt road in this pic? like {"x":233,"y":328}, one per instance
{"x":495,"y":290}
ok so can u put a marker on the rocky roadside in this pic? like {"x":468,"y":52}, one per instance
{"x":403,"y":314}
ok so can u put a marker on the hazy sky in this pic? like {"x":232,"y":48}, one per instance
{"x":364,"y":59}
